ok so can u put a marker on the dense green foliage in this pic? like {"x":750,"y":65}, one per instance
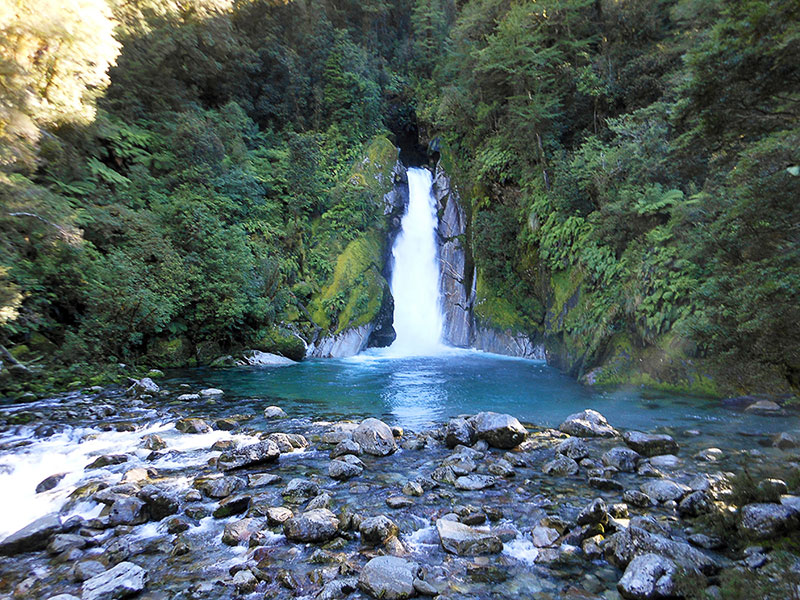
{"x":182,"y":179}
{"x":645,"y":153}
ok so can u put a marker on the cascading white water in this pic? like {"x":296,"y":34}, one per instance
{"x":415,"y":273}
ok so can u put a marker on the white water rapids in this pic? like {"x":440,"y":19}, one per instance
{"x":418,"y":317}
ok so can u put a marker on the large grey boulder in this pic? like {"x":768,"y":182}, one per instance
{"x":622,"y":459}
{"x":121,"y":581}
{"x":160,"y":503}
{"x":650,"y":444}
{"x":375,"y":437}
{"x":318,"y":525}
{"x":625,"y":545}
{"x":389,"y":578}
{"x":192,"y":425}
{"x":219,"y":487}
{"x":499,"y":430}
{"x":574,"y":448}
{"x":459,"y":431}
{"x":763,"y":521}
{"x":464,"y":540}
{"x":664,"y":490}
{"x":34,"y":536}
{"x":248,"y":456}
{"x":588,"y":423}
{"x":346,"y":467}
{"x":128,"y":511}
{"x":560,"y":466}
{"x":240,"y":531}
{"x":375,"y":530}
{"x":143,"y":386}
{"x":648,"y":577}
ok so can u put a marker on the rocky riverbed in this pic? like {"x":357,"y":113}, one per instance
{"x":142,"y":493}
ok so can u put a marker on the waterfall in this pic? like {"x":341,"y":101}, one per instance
{"x":415,"y":273}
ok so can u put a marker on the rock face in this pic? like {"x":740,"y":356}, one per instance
{"x":456,"y":271}
{"x":764,"y":521}
{"x":464,"y":540}
{"x":375,"y":437}
{"x":31,"y":537}
{"x":648,"y":444}
{"x":318,"y":525}
{"x":588,"y":423}
{"x":341,"y":345}
{"x":499,"y":430}
{"x":508,"y":343}
{"x":126,"y":579}
{"x":648,"y":577}
{"x":389,"y":578}
{"x":246,"y":456}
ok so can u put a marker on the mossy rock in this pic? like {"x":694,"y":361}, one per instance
{"x":279,"y":340}
{"x":20,"y":351}
{"x":174,"y":352}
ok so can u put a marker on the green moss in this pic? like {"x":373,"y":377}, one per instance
{"x":353,"y":296}
{"x":279,"y":340}
{"x":494,"y":311}
{"x":174,"y":352}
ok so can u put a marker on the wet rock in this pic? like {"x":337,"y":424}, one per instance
{"x":34,"y":536}
{"x":588,"y":423}
{"x":338,"y":588}
{"x":219,"y":487}
{"x":605,"y":484}
{"x":211,"y":393}
{"x":128,"y":511}
{"x":126,"y":579}
{"x":696,"y":504}
{"x":648,"y":577}
{"x":459,"y":431}
{"x":63,"y":597}
{"x":664,"y":490}
{"x":560,"y":466}
{"x":785,"y":441}
{"x":86,"y":569}
{"x":665,"y":461}
{"x":232,"y":505}
{"x":464,"y":540}
{"x":574,"y":448}
{"x":375,"y":437}
{"x":192,"y":425}
{"x":177,"y":525}
{"x":346,"y":447}
{"x":622,"y":459}
{"x":765,"y":408}
{"x":389,"y":578}
{"x":764,"y":521}
{"x":339,"y":432}
{"x":474,"y":482}
{"x":245,"y":582}
{"x":259,"y":479}
{"x":278,"y":515}
{"x":595,"y":512}
{"x":237,"y":532}
{"x":49,"y":483}
{"x":298,"y":490}
{"x":701,"y":540}
{"x":502,"y":468}
{"x":318,"y":525}
{"x":188,"y":398}
{"x":498,"y":430}
{"x":143,"y":386}
{"x":650,"y":444}
{"x":107,"y":460}
{"x":248,"y":456}
{"x":710,"y":455}
{"x":345,"y":469}
{"x":622,"y":547}
{"x":153,"y":442}
{"x":160,"y":503}
{"x":138,"y":475}
{"x":226,"y":424}
{"x":399,"y":502}
{"x":412,"y":488}
{"x":444,"y":475}
{"x":323,"y":500}
{"x":425,"y":588}
{"x":63,"y":542}
{"x":544,"y":536}
{"x":281,"y":440}
{"x":593,"y":547}
{"x":377,"y":529}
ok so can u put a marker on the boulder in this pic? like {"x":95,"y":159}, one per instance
{"x":143,"y":386}
{"x":375,"y":437}
{"x":459,"y":432}
{"x":188,"y":397}
{"x":763,"y":521}
{"x":474,"y":482}
{"x":232,"y":505}
{"x":250,"y":455}
{"x":319,"y":525}
{"x":588,"y":423}
{"x":274,"y":412}
{"x":650,"y":444}
{"x":278,"y":515}
{"x":499,"y":430}
{"x":34,"y":536}
{"x":160,"y":503}
{"x":298,"y":490}
{"x":107,"y":460}
{"x":464,"y":540}
{"x":648,"y":577}
{"x":766,"y":408}
{"x":240,"y":531}
{"x":389,"y":578}
{"x":128,"y":511}
{"x":256,"y":358}
{"x":696,"y":504}
{"x":344,"y":448}
{"x":211,"y":393}
{"x":48,"y":483}
{"x":595,"y":513}
{"x":543,"y":537}
{"x":664,"y":490}
{"x":785,"y":441}
{"x":192,"y":426}
{"x":574,"y":448}
{"x":342,"y":469}
{"x":375,"y":530}
{"x":560,"y":466}
{"x":622,"y":459}
{"x":625,"y":545}
{"x":219,"y":487}
{"x":121,"y":581}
